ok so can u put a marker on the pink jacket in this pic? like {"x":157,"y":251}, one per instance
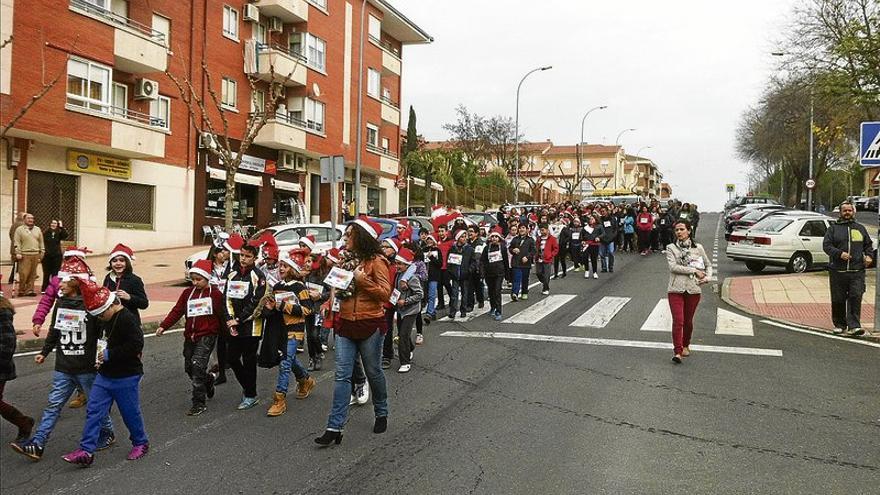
{"x":47,"y":301}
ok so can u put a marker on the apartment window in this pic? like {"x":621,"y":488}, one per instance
{"x":375,"y":28}
{"x":261,"y":33}
{"x":163,"y":25}
{"x":98,"y":3}
{"x":228,"y":94}
{"x":160,"y":112}
{"x":374,"y":79}
{"x":258,"y":101}
{"x":316,"y":50}
{"x":386,"y":144}
{"x":322,"y":4}
{"x":129,"y":205}
{"x":120,"y":100}
{"x":372,"y":135}
{"x":230,"y":22}
{"x":88,"y":84}
{"x":314,"y":114}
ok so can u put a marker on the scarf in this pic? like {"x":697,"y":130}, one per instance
{"x":685,"y":247}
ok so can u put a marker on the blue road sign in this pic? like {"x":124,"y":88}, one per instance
{"x":869,"y":151}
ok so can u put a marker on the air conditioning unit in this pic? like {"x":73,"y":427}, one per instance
{"x":276,"y":24}
{"x":207,"y":141}
{"x":146,"y":89}
{"x":251,"y":12}
{"x":288,"y":160}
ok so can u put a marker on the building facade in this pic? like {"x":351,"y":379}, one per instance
{"x":112,"y":149}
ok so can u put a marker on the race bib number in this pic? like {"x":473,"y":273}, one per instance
{"x":220,"y":283}
{"x":335,"y":306}
{"x":454,"y":259}
{"x":589,"y":229}
{"x":237,"y":289}
{"x":281,"y":297}
{"x":314,"y":286}
{"x":663,"y":222}
{"x":495,"y":256}
{"x":575,"y":236}
{"x":100,"y":347}
{"x":199,"y":307}
{"x":643,"y":220}
{"x":395,"y":296}
{"x":479,"y":249}
{"x":606,"y":223}
{"x":682,"y":215}
{"x":69,"y":319}
{"x":339,"y":278}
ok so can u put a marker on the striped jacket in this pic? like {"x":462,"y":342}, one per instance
{"x":247,"y":309}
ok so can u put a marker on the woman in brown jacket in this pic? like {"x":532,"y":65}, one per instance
{"x":362,"y":326}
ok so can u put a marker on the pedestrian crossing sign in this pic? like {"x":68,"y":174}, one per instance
{"x":869,"y":151}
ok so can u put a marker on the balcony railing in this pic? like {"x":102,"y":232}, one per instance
{"x":388,"y":47}
{"x":387,"y":100}
{"x":376,"y":149}
{"x":283,"y":49}
{"x":118,"y":113}
{"x":118,"y":20}
{"x":288,"y":118}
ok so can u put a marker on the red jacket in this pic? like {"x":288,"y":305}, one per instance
{"x":551,"y":249}
{"x":645,"y":221}
{"x":444,"y":246}
{"x":197,"y":326}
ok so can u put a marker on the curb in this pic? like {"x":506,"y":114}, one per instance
{"x":37,"y":344}
{"x":725,"y":296}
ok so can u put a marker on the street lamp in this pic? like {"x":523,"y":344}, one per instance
{"x":617,"y":142}
{"x":581,"y":143}
{"x":516,"y":133}
{"x":638,"y":155}
{"x":809,"y":190}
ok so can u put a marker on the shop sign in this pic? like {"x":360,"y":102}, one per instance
{"x":255,"y":164}
{"x":90,"y":163}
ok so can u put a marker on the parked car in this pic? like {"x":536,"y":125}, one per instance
{"x":389,"y":227}
{"x":739,"y":213}
{"x":421,"y":222}
{"x":747,"y":200}
{"x":871,"y":204}
{"x":791,"y":239}
{"x":483,"y":219}
{"x":287,"y":236}
{"x":751,"y":216}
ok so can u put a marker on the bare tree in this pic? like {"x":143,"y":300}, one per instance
{"x":567,"y":181}
{"x":208,"y":114}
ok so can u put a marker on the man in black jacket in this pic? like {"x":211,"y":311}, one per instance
{"x":460,"y":264}
{"x":522,"y":251}
{"x":850,"y":250}
{"x":475,"y":285}
{"x":609,"y":234}
{"x":493,"y":264}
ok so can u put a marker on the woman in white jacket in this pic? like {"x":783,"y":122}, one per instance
{"x":689,"y":269}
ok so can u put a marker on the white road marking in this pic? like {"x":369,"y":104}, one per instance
{"x":821,"y":334}
{"x":749,"y":351}
{"x":146,"y":335}
{"x":534,"y":313}
{"x":601,"y":313}
{"x":505,"y":298}
{"x":730,"y":323}
{"x":660,"y":319}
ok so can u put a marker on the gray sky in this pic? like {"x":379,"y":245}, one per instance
{"x":681,"y":72}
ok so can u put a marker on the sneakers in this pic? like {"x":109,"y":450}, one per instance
{"x":79,"y":457}
{"x":279,"y":405}
{"x":318,"y":364}
{"x":685,"y":352}
{"x":28,"y":449}
{"x":513,"y":297}
{"x":196,"y":409}
{"x":586,"y":274}
{"x":304,"y":387}
{"x":553,"y":277}
{"x":79,"y":399}
{"x":545,"y":292}
{"x":404,"y":368}
{"x":497,"y":317}
{"x":324,"y":347}
{"x":386,"y":363}
{"x":105,"y":440}
{"x":138,"y":451}
{"x":420,"y":339}
{"x":595,"y":275}
{"x":676,"y":359}
{"x":247,"y":403}
{"x":210,"y":388}
{"x":839,"y":331}
{"x":524,"y":297}
{"x":855,"y":332}
{"x":361,"y":394}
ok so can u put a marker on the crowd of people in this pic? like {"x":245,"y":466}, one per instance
{"x":254,"y":306}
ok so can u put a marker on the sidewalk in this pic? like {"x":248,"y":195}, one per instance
{"x":799,"y":299}
{"x":161,"y":270}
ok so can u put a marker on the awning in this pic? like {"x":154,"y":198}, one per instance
{"x":241,"y":178}
{"x":286,"y":186}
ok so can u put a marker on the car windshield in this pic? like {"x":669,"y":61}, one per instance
{"x":772,"y":224}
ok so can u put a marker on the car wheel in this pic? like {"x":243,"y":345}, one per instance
{"x":799,"y":263}
{"x":755,"y":266}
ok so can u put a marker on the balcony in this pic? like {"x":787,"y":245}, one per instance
{"x":291,"y":11}
{"x":281,"y":64}
{"x":137,"y":48}
{"x":390,"y":111}
{"x":388,"y":160}
{"x":390,"y":57}
{"x":132,"y":134}
{"x":284,"y":132}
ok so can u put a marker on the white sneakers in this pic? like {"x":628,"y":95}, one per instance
{"x":586,"y":274}
{"x":595,"y":275}
{"x":545,"y":292}
{"x":404,"y":368}
{"x":361,"y":395}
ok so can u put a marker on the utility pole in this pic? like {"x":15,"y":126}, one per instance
{"x":516,"y":132}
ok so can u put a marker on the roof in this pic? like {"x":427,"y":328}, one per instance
{"x":587,"y":149}
{"x":399,"y":26}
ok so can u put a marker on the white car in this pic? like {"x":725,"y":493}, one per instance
{"x":287,"y":237}
{"x":790,"y":239}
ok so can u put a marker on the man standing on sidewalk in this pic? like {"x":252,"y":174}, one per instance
{"x":850,"y":250}
{"x":29,"y":250}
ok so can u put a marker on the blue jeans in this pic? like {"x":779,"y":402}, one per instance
{"x":125,"y":392}
{"x":288,"y":364}
{"x":606,"y":255}
{"x":432,"y":298}
{"x":520,"y":280}
{"x":63,"y":386}
{"x":347,"y":351}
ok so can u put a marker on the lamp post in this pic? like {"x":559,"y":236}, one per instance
{"x":639,"y":155}
{"x":809,"y":190}
{"x":581,"y":143}
{"x":360,"y":117}
{"x":617,"y":143}
{"x":516,"y":133}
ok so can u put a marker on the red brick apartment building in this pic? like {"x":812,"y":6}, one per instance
{"x":110,"y":149}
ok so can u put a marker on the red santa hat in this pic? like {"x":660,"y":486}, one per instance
{"x":202,"y":268}
{"x":371,"y":227}
{"x":405,"y":256}
{"x":334,"y":255}
{"x":295,"y":259}
{"x":78,"y":252}
{"x":96,"y":298}
{"x":496,"y":231}
{"x":438,"y":211}
{"x":444,"y":220}
{"x":73,"y":266}
{"x":234,"y":243}
{"x":121,"y":250}
{"x":308,"y":241}
{"x":459,"y":233}
{"x":394,"y":243}
{"x":431,"y":236}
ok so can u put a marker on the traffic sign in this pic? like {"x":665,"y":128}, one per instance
{"x":869,"y":151}
{"x":811,"y":183}
{"x":730,"y":187}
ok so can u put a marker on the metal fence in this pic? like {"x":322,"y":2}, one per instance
{"x":53,"y":197}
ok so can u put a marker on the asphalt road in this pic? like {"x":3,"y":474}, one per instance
{"x":598,"y":410}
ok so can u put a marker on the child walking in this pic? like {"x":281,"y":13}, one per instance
{"x":407,"y":297}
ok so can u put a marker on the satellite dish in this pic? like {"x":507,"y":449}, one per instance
{"x":316,"y":90}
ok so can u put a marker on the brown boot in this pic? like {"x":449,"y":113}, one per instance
{"x":279,"y":404}
{"x":304,"y":387}
{"x":79,"y":399}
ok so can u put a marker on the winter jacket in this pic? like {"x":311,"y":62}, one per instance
{"x":371,"y":291}
{"x":132,"y":284}
{"x":468,"y":265}
{"x":609,"y":229}
{"x":52,"y":240}
{"x":411,"y":294}
{"x":564,"y":238}
{"x":196,"y":327}
{"x":125,"y":343}
{"x":293,"y":310}
{"x":629,"y":225}
{"x":683,"y":264}
{"x":577,"y":238}
{"x":7,"y":341}
{"x":645,"y":222}
{"x":526,"y":246}
{"x":851,"y":237}
{"x":445,"y":246}
{"x":434,"y":260}
{"x":591,"y":235}
{"x":496,"y":268}
{"x":551,"y":249}
{"x":479,"y":246}
{"x":247,"y":310}
{"x":75,"y":347}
